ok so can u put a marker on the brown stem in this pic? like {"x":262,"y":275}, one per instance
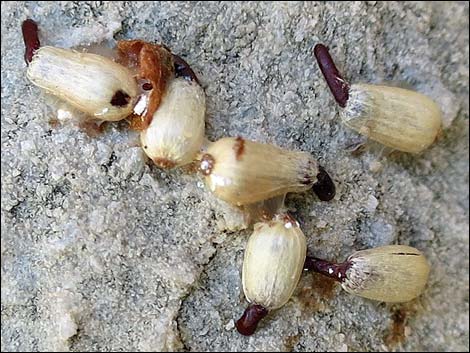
{"x":182,"y":69}
{"x":324,"y":188}
{"x":338,"y":86}
{"x":247,"y":324}
{"x":31,"y":39}
{"x":327,"y":268}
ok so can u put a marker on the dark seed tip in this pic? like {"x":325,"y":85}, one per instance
{"x":338,"y":86}
{"x":247,"y":324}
{"x":338,"y":272}
{"x":308,"y":263}
{"x":30,"y":31}
{"x":182,"y":69}
{"x":324,"y":188}
{"x":319,"y":48}
{"x":29,"y":22}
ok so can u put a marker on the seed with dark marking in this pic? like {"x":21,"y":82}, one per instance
{"x":249,"y":172}
{"x":324,"y":188}
{"x":392,"y":273}
{"x":120,"y":99}
{"x":399,"y":118}
{"x":239,"y":147}
{"x":338,"y":86}
{"x":272,"y":266}
{"x":30,"y":38}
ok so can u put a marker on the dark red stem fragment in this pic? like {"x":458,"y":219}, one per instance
{"x":182,"y":69}
{"x":324,"y":188}
{"x":31,"y":39}
{"x":327,"y":268}
{"x":338,"y":86}
{"x":247,"y":324}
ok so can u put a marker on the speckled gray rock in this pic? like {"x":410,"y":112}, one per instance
{"x":103,"y":251}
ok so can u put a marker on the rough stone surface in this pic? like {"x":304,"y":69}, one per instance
{"x":103,"y":251}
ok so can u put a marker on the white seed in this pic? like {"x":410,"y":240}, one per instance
{"x":176,"y":133}
{"x":243,"y":172}
{"x":91,"y":83}
{"x":402,"y":119}
{"x":274,"y":260}
{"x":394,"y":273}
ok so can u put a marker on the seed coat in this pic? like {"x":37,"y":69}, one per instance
{"x":405,"y":120}
{"x":89,"y":82}
{"x":402,"y":119}
{"x":243,"y":172}
{"x":176,"y":132}
{"x":273,"y":262}
{"x":394,"y":273}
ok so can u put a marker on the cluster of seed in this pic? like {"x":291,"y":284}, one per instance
{"x":160,"y":95}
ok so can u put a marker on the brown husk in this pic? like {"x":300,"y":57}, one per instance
{"x":153,"y":63}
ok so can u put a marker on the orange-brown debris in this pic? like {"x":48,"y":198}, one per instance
{"x":91,"y":128}
{"x":396,"y":332}
{"x":164,"y":163}
{"x":155,"y":64}
{"x":315,"y":291}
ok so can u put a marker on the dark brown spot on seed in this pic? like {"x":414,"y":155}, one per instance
{"x":120,"y":99}
{"x":239,"y":147}
{"x":247,"y":324}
